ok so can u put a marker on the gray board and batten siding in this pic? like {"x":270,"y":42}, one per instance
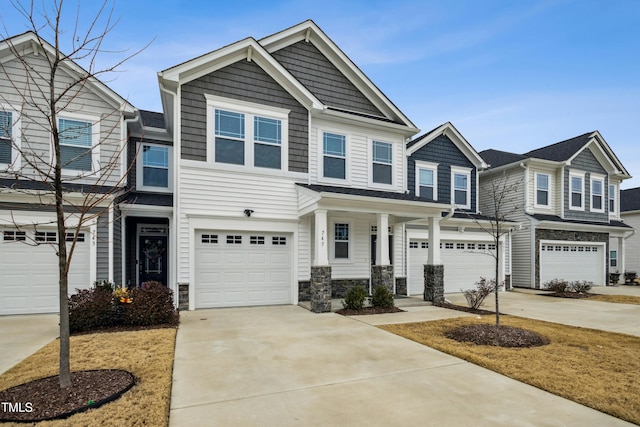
{"x":586,"y":162}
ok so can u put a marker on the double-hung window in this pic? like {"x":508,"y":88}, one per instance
{"x":341,"y":240}
{"x":613,"y":258}
{"x":612,"y":199}
{"x":76,"y":144}
{"x":247,"y":134}
{"x":155,"y":163}
{"x":382,"y":171}
{"x":334,"y":151}
{"x":427,"y":180}
{"x":461,"y":187}
{"x":229,"y":137}
{"x":542,"y":190}
{"x":597,"y":194}
{"x":6,"y":137}
{"x":576,"y":183}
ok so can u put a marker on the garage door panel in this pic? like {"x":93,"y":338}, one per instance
{"x":254,"y":272}
{"x":571,"y":261}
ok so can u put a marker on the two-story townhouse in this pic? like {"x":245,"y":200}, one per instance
{"x":568,"y":203}
{"x":92,"y":127}
{"x":624,"y":254}
{"x":443,"y":167}
{"x":290,"y":178}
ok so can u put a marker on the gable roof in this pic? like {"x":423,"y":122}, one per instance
{"x":449,"y":130}
{"x":30,"y":42}
{"x":261,"y":53}
{"x":630,"y":200}
{"x":563,"y":152}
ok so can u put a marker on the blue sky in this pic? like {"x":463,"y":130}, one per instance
{"x":510,"y":75}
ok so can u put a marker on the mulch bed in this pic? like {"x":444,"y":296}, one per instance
{"x":572,"y":295}
{"x":465,"y":309}
{"x":43,"y":399}
{"x":368,"y":310}
{"x":502,"y":336}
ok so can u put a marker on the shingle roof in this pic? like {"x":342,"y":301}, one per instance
{"x":555,"y":218}
{"x":496,"y":158}
{"x":560,"y":151}
{"x":148,"y":199}
{"x":630,"y":200}
{"x":152,"y":119}
{"x":366,"y":193}
{"x":24,"y":184}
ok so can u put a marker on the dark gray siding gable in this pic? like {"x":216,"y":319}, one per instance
{"x":309,"y":66}
{"x":243,"y":81}
{"x":445,"y":153}
{"x":586,"y":162}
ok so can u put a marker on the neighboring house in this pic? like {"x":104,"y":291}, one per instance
{"x":568,"y":203}
{"x":625,"y":253}
{"x":92,"y":127}
{"x":294,"y":181}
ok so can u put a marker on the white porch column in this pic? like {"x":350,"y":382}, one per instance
{"x":434,"y":241}
{"x":321,"y":239}
{"x":621,"y":260}
{"x":382,"y":246}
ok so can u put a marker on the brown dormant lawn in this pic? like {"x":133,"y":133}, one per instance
{"x":148,"y":354}
{"x":594,"y":368}
{"x":620,"y":299}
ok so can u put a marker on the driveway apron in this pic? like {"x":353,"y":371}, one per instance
{"x":21,"y":336}
{"x":285,"y":366}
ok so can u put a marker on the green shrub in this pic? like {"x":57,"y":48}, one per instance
{"x":382,"y":297}
{"x":354,"y":300}
{"x":91,"y":309}
{"x":151,"y":304}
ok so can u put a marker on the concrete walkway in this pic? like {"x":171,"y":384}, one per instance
{"x":21,"y":336}
{"x":531,"y":303}
{"x":285,"y":366}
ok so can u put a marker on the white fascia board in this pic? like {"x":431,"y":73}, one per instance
{"x":459,"y":141}
{"x":338,"y":116}
{"x":248,"y":49}
{"x":571,"y":226}
{"x":309,"y":31}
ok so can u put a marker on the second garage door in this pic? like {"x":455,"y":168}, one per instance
{"x":572,"y":261}
{"x":243,"y":269}
{"x":464,"y":264}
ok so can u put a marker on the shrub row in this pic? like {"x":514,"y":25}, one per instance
{"x":104,"y":307}
{"x":563,"y":286}
{"x":354,"y":300}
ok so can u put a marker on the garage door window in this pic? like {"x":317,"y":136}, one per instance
{"x":278,"y":240}
{"x":69,"y":237}
{"x":234,"y":240}
{"x":46,"y":236}
{"x":209,"y":238}
{"x":16,"y":236}
{"x":256,"y":240}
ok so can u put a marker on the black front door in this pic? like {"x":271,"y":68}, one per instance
{"x":152,"y":259}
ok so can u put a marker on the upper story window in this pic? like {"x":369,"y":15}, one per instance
{"x":542,"y":190}
{"x":9,"y":138}
{"x":461,"y":187}
{"x":76,"y":144}
{"x":576,"y":183}
{"x":612,"y":198}
{"x":247,"y":134}
{"x":427,"y":180}
{"x":382,"y":170}
{"x":154,"y":168}
{"x":597,"y":194}
{"x":334,"y":155}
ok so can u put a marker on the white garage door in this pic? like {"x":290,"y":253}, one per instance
{"x":243,"y":269}
{"x":572,"y":261}
{"x":464,"y":264}
{"x":29,"y":271}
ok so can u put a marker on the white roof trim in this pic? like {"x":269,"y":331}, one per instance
{"x":456,"y":137}
{"x":604,"y":155}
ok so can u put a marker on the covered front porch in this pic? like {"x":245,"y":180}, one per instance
{"x":359,"y":236}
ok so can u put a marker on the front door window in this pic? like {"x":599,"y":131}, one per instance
{"x":153,"y":259}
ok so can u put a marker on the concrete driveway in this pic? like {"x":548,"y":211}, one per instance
{"x":622,"y":318}
{"x":21,"y":336}
{"x":285,"y":366}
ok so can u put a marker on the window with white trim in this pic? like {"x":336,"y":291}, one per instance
{"x":334,"y":155}
{"x":576,"y":191}
{"x":78,"y":148}
{"x":612,"y":198}
{"x":382,"y":163}
{"x":247,"y":134}
{"x":341,"y":239}
{"x":542,"y":190}
{"x":461,"y":187}
{"x":597,"y":194}
{"x":9,"y":138}
{"x":154,"y":161}
{"x":427,"y":180}
{"x":613,"y":258}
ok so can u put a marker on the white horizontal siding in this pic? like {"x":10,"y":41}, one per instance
{"x":632,"y":244}
{"x":555,"y":193}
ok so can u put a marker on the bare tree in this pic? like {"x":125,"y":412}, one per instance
{"x":501,"y":193}
{"x":52,"y":84}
